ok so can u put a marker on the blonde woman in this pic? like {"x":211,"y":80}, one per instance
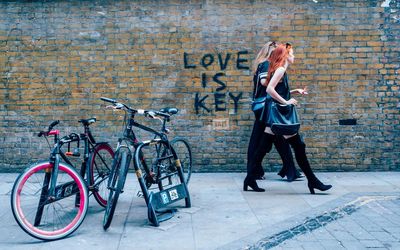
{"x":259,"y":141}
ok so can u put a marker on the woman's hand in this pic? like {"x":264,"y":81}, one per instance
{"x":291,"y":101}
{"x":301,"y":91}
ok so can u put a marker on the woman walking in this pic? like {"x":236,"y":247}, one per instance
{"x":278,"y":89}
{"x":259,"y":141}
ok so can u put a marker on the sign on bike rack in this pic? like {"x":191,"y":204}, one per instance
{"x":159,"y":201}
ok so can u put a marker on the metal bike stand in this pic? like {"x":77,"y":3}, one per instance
{"x":158,"y":202}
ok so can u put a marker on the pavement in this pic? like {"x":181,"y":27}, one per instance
{"x":361,"y":211}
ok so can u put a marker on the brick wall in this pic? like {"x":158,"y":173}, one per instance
{"x":57,"y":58}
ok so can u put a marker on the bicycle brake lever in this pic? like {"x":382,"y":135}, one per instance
{"x":118,"y":106}
{"x":151,"y":114}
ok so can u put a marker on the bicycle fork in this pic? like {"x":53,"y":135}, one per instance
{"x":50,"y":191}
{"x":47,"y":192}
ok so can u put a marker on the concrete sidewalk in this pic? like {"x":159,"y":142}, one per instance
{"x":362,"y":210}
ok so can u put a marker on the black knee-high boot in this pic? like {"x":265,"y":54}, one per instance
{"x":288,"y":168}
{"x":299,"y":148}
{"x":263,"y":148}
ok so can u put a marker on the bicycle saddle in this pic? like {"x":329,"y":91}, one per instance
{"x":171,"y":111}
{"x":87,"y":122}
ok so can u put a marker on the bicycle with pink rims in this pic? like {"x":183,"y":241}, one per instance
{"x":50,"y":199}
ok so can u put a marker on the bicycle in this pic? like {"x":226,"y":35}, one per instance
{"x":49,"y":200}
{"x":163,"y":161}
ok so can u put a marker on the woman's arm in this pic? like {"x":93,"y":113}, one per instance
{"x":272,"y":85}
{"x":300,"y":91}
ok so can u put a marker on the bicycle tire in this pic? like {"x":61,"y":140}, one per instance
{"x":116,"y":183}
{"x":168,"y":167}
{"x":44,"y":222}
{"x":100,"y":167}
{"x":184,"y":153}
{"x":154,"y":164}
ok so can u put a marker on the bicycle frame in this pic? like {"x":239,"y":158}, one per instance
{"x":129,"y":135}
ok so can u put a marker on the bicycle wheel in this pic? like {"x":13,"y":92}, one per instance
{"x":167,"y":171}
{"x":184,"y":153}
{"x":116,"y":183}
{"x":45,"y":217}
{"x":100,"y":167}
{"x":155,"y":162}
{"x":164,"y":164}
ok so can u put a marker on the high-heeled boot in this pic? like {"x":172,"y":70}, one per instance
{"x":254,"y":168}
{"x":297,"y":174}
{"x":250,"y":182}
{"x":288,"y":168}
{"x":299,"y":148}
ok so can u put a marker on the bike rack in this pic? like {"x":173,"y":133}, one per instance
{"x":158,"y":202}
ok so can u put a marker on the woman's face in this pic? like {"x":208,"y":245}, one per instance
{"x":291,"y":56}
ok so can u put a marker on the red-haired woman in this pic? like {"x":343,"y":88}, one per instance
{"x":261,"y":140}
{"x":278,"y":89}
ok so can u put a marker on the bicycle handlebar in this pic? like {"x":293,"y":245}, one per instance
{"x":51,"y":126}
{"x":151,"y":113}
{"x":108,"y":100}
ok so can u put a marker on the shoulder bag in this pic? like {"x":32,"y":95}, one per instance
{"x":283,"y":119}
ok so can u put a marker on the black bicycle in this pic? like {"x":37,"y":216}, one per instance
{"x":155,"y":161}
{"x":49,"y":200}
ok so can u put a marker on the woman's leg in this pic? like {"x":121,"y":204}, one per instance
{"x":299,"y":148}
{"x":288,"y":169}
{"x":264,"y":147}
{"x":255,"y":139}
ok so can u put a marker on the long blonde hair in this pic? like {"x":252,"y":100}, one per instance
{"x":264,"y":54}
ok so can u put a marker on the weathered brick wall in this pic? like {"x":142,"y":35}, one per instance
{"x":57,"y":58}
